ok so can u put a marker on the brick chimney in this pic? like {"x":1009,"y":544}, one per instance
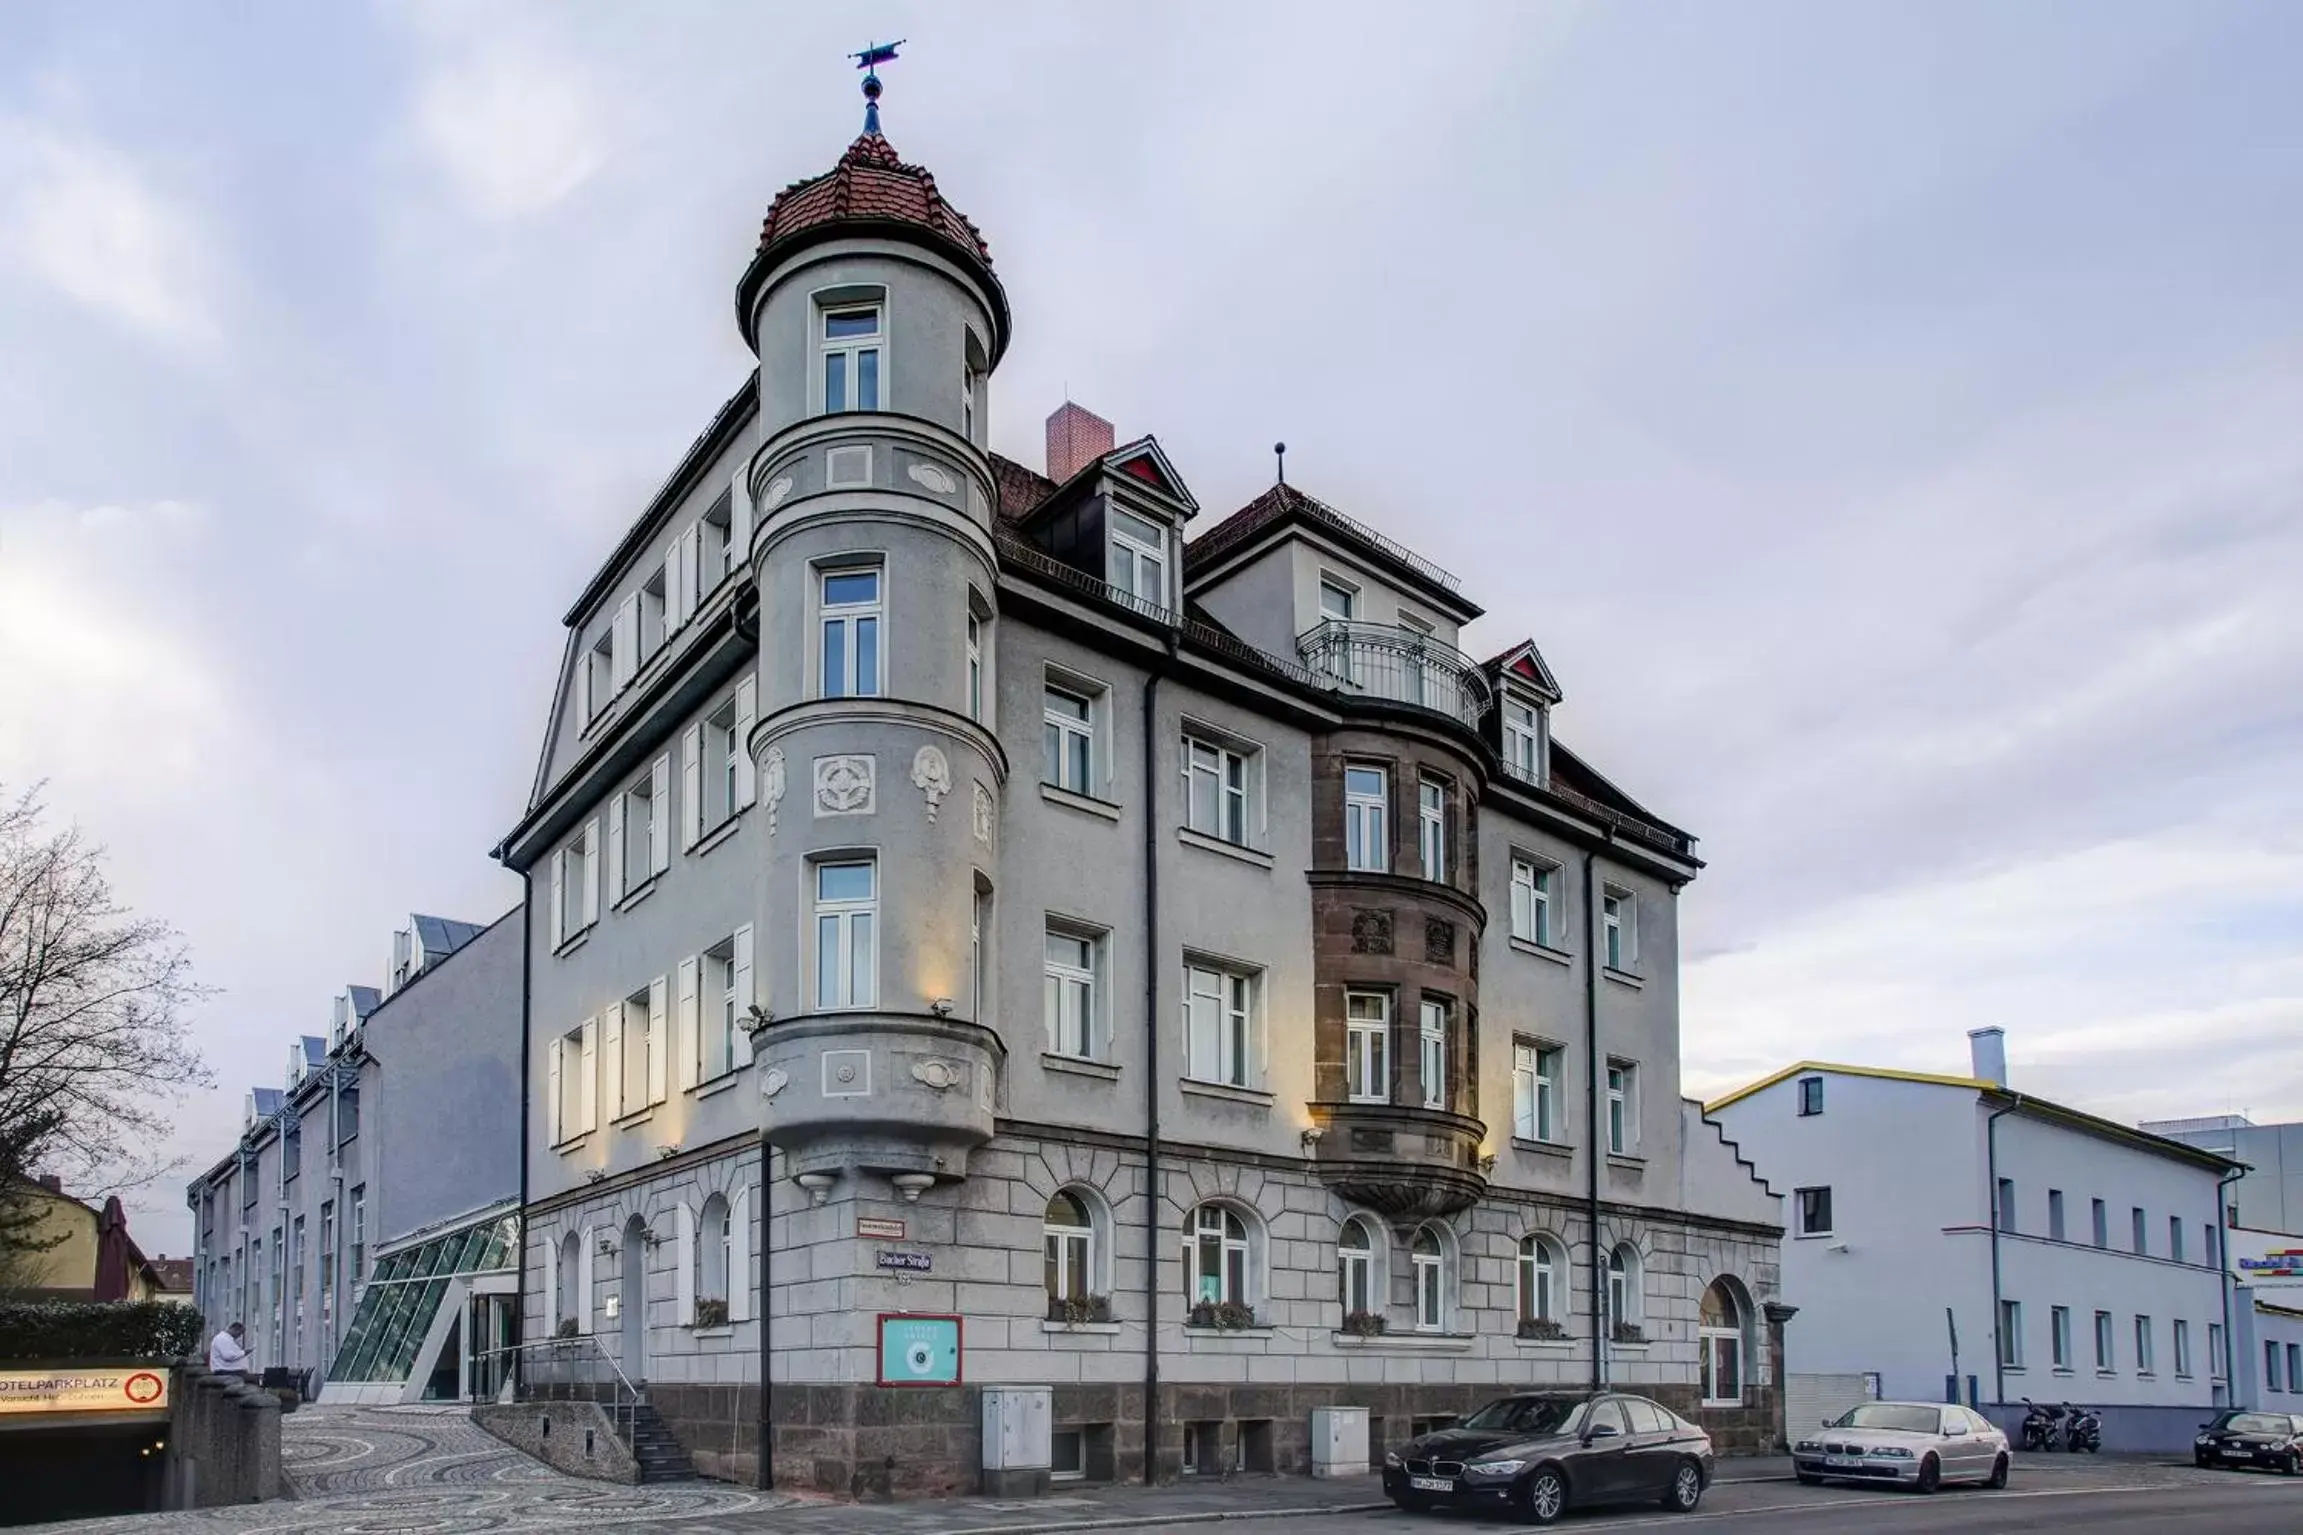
{"x":1076,"y":437}
{"x":52,"y":1182}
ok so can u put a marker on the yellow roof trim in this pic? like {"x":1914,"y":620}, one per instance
{"x":1806,"y":1068}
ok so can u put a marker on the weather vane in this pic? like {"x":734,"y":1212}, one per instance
{"x":877,"y":53}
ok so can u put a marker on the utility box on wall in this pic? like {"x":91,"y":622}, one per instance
{"x":1019,"y":1427}
{"x":1339,"y":1441}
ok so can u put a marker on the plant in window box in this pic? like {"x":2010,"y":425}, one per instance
{"x":711,"y":1313}
{"x":566,"y":1329}
{"x":1629,"y":1332}
{"x":1365,"y":1324}
{"x":1074,"y":1309}
{"x":1543,"y":1327}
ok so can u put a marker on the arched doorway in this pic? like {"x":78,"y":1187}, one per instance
{"x":633,"y":1302}
{"x":1720,"y":1340}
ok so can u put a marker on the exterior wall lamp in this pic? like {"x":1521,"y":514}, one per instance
{"x":1311,"y":1137}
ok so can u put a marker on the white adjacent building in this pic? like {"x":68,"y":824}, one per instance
{"x":1954,"y":1234}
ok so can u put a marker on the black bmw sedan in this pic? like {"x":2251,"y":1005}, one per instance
{"x":1539,"y":1456}
{"x":2272,"y":1440}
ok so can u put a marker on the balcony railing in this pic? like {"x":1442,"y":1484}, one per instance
{"x":1398,"y":664}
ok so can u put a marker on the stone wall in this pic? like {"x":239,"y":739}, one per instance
{"x":576,"y":1437}
{"x":223,"y":1441}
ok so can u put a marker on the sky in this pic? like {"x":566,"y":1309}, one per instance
{"x":1884,"y":417}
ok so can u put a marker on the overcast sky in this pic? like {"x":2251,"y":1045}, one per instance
{"x":1887,"y":419}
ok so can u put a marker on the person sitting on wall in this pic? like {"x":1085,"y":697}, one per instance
{"x":226,"y":1353}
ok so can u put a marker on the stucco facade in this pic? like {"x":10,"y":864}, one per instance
{"x":946,"y":903}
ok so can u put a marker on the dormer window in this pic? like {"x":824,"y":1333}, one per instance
{"x":851,"y":343}
{"x":1523,"y":740}
{"x":1139,"y":558}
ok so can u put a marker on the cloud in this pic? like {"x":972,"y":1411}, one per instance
{"x":88,"y":220}
{"x":511,"y":116}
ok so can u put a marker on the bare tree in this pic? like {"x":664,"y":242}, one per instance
{"x":93,"y":1047}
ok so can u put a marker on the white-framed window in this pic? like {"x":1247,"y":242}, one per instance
{"x":2175,"y":1237}
{"x":2106,"y":1354}
{"x":1622,"y":1108}
{"x":639,"y":830}
{"x":968,"y":403}
{"x":1219,"y":1025}
{"x":975,"y":667}
{"x":1541,"y":1267}
{"x":1719,"y":1336}
{"x":1068,"y":740}
{"x":359,"y":1253}
{"x":2271,"y":1365}
{"x":599,"y":665}
{"x":1531,"y":885}
{"x":1069,"y":992}
{"x":1367,"y":1046}
{"x":2059,"y":1336}
{"x":1625,"y":1300}
{"x":2215,"y":1370}
{"x":576,"y":884}
{"x":850,"y":617}
{"x":1139,"y":558}
{"x":979,"y":921}
{"x":726,"y":980}
{"x":716,"y":552}
{"x":2102,"y":1223}
{"x":1431,"y":827}
{"x":1355,"y":1270}
{"x":653,"y":612}
{"x":2011,"y":1334}
{"x":1215,"y":789}
{"x":1431,"y":1053}
{"x":2182,"y":1349}
{"x":1366,"y":818}
{"x":635,"y":1049}
{"x":1618,"y":929}
{"x":1523,"y":740}
{"x":572,"y":1093}
{"x":851,"y":343}
{"x":1069,"y":1237}
{"x":847,"y":937}
{"x":1535,"y":1090}
{"x":1415,"y":663}
{"x":1427,"y":1260}
{"x":2055,"y":1215}
{"x":2145,"y":1356}
{"x":1813,"y":1211}
{"x":714,"y":1239}
{"x":1338,"y":599}
{"x":1216,"y":1256}
{"x":2142,"y":1231}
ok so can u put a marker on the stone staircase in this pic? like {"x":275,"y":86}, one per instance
{"x":661,"y":1456}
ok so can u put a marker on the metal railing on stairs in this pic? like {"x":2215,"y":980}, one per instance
{"x":573,"y":1369}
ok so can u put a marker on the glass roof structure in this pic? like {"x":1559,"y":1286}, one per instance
{"x":403,"y":1297}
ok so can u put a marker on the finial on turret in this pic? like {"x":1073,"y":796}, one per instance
{"x":1279,"y":451}
{"x":877,"y":53}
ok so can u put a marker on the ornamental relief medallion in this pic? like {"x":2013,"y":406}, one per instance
{"x":1438,"y":941}
{"x":1370,"y":931}
{"x":844,"y":785}
{"x":932,"y":776}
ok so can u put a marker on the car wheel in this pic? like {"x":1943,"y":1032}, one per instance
{"x":1930,"y":1474}
{"x":1998,"y":1473}
{"x":1686,"y":1488}
{"x":1544,"y":1496}
{"x":1810,"y":1479}
{"x":2292,"y":1465}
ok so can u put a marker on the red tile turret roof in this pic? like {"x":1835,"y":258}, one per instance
{"x":870,"y":184}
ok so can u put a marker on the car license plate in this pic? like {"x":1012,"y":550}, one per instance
{"x":1842,"y":1460}
{"x":2240,"y":1454}
{"x":1430,"y":1484}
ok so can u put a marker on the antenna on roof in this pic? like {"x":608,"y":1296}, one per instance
{"x":1279,"y":451}
{"x":877,"y":53}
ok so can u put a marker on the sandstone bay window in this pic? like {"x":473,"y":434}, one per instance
{"x":1431,"y":827}
{"x":1067,"y":738}
{"x":1216,"y":1257}
{"x":1542,"y":1263}
{"x":847,"y":938}
{"x":1431,"y":1053}
{"x":1535,"y":1086}
{"x":850,"y":343}
{"x":1531,"y":885}
{"x":1069,"y":1238}
{"x":1219,"y":1015}
{"x":1355,"y":1270}
{"x":1366,"y":819}
{"x":1215,"y":789}
{"x":1068,"y":992}
{"x":1367,"y":1046}
{"x":849,"y":628}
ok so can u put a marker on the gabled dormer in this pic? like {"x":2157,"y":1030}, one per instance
{"x":1116,"y":513}
{"x":1525,"y":692}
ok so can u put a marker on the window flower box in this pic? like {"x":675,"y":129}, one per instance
{"x":1224,"y":1315}
{"x":1074,"y":1309}
{"x":1542,"y":1327}
{"x":1629,"y":1332}
{"x":1365,"y":1324}
{"x":711,"y":1313}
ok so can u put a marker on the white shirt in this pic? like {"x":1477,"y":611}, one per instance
{"x":226,"y":1356}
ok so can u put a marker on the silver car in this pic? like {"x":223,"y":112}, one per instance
{"x":1921,"y":1445}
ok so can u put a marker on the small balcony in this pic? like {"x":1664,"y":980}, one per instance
{"x":1398,"y":665}
{"x":1406,"y":1164}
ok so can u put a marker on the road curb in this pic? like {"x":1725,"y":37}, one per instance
{"x":1147,"y":1521}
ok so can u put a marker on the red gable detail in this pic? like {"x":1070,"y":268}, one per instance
{"x":1142,"y":469}
{"x":1526,"y":668}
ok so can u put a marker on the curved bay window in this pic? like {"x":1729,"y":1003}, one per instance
{"x":1720,"y":1336}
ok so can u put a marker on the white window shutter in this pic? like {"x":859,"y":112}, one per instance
{"x":742,"y":944}
{"x":684,"y":1248}
{"x":559,"y":897}
{"x":624,"y":642}
{"x":551,"y":1286}
{"x":675,"y":599}
{"x":692,"y":563}
{"x":591,"y":871}
{"x":616,"y":848}
{"x":583,"y":1305}
{"x":588,"y":1068}
{"x":740,"y":521}
{"x":612,"y":1051}
{"x":660,"y":816}
{"x":559,"y":1131}
{"x":658,"y":996}
{"x":691,"y":786}
{"x":740,"y":1253}
{"x":687,"y":1038}
{"x":747,"y":711}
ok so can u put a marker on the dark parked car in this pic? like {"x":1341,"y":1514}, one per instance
{"x":2273,"y":1440}
{"x":1539,"y":1456}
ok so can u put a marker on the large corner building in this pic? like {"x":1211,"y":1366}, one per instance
{"x":996,"y":924}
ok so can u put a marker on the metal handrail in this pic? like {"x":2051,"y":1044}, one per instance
{"x":1398,"y":664}
{"x":570,"y":1369}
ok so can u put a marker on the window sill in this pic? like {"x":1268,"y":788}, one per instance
{"x":2063,"y":1370}
{"x":633,"y":1120}
{"x":1406,"y":1342}
{"x":1369,"y":1103}
{"x":717,"y":835}
{"x":718,"y":1084}
{"x":1542,"y":951}
{"x":636,"y":894}
{"x":1102,"y":1071}
{"x":1218,"y":845}
{"x":1087,"y":802}
{"x":1814,"y":1236}
{"x":1546,"y":1345}
{"x":721,"y":1330}
{"x":574,"y":941}
{"x":1258,"y":1331}
{"x":1630,"y":1161}
{"x":1101,"y":1329}
{"x":2106,"y":1374}
{"x":1623,"y":977}
{"x":572,"y":1143}
{"x":1629,"y":1348}
{"x":1255,"y":1097}
{"x":1559,"y":1149}
{"x":2146,"y":1374}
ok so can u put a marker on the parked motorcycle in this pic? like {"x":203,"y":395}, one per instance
{"x":2040,"y":1426}
{"x":2082,"y":1430}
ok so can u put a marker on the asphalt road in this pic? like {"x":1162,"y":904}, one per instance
{"x":2233,"y":1505}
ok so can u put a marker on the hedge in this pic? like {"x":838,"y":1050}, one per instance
{"x":54,"y":1332}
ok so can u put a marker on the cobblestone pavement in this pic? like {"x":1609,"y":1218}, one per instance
{"x":426,"y":1471}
